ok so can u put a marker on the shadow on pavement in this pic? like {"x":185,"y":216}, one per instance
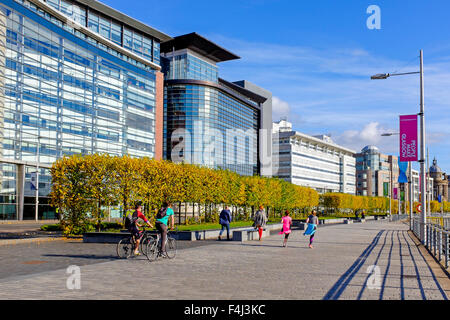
{"x":335,"y":292}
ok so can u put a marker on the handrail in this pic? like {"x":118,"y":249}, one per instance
{"x":437,"y":240}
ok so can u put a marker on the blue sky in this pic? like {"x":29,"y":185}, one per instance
{"x":316,"y":57}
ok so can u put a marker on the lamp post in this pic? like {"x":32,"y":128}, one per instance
{"x":423,"y":216}
{"x":36,"y":213}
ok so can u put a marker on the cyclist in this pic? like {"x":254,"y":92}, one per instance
{"x":134,"y":228}
{"x":162,"y":219}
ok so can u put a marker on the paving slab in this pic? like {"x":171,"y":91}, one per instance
{"x":338,"y":268}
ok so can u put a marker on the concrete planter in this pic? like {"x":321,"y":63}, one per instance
{"x":115,"y":237}
{"x":334,"y":221}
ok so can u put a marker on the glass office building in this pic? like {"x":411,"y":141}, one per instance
{"x":207,"y":120}
{"x":77,"y":78}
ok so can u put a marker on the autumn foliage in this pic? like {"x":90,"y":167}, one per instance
{"x":86,"y":184}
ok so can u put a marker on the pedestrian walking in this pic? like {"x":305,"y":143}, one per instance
{"x":224,"y":220}
{"x":260,"y":221}
{"x":286,"y":230}
{"x":312,"y":222}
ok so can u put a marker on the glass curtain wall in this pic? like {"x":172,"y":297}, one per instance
{"x":212,"y":117}
{"x":75,"y":96}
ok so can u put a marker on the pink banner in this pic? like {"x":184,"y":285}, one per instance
{"x":395,"y":194}
{"x":408,"y":138}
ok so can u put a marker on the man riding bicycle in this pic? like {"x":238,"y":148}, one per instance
{"x":162,"y":219}
{"x":134,"y":227}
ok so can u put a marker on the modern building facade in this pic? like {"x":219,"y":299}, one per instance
{"x":312,"y":161}
{"x":376,"y":173}
{"x":207,"y":120}
{"x":77,"y":77}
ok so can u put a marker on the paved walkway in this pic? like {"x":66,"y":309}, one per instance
{"x":335,"y":269}
{"x":23,"y":226}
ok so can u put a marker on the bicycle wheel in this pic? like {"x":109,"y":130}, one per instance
{"x":171,"y":248}
{"x":124,"y":248}
{"x":151,"y":251}
{"x":144,"y":242}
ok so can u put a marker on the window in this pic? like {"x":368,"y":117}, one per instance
{"x":116,"y":33}
{"x":105,"y":28}
{"x":93,"y":22}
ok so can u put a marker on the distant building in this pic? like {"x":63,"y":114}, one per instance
{"x":416,"y":186}
{"x":373,"y":172}
{"x":441,"y":182}
{"x":312,"y":161}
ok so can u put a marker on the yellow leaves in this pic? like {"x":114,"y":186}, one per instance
{"x":82,"y":184}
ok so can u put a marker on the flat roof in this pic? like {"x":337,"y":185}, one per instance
{"x":199,"y":44}
{"x":121,"y":17}
{"x":285,"y":134}
{"x":245,"y":92}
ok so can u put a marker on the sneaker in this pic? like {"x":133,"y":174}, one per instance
{"x":137,"y":253}
{"x":219,"y":238}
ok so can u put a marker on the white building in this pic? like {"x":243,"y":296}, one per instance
{"x":416,"y":186}
{"x":312,"y":161}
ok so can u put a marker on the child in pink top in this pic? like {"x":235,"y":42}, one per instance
{"x":287,"y":222}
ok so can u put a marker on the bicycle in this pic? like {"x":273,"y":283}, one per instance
{"x":126,"y":246}
{"x":154,"y":247}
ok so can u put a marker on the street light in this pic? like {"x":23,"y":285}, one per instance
{"x":36,"y":213}
{"x":380,"y":76}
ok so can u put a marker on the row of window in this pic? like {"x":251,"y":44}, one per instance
{"x":143,"y":45}
{"x":81,"y":36}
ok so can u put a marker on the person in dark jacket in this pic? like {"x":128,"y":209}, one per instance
{"x":224,"y":220}
{"x":260,"y":221}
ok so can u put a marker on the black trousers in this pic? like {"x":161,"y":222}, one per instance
{"x":162,"y":228}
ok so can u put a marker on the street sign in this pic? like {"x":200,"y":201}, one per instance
{"x":408,"y":138}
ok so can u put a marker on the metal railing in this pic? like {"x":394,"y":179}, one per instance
{"x":399,"y":217}
{"x":437,"y":240}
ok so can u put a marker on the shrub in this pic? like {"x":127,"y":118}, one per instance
{"x":51,"y":227}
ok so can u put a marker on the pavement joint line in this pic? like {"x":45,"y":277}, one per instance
{"x":441,"y":274}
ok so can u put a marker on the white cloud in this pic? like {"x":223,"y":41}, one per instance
{"x":370,"y":134}
{"x":280,"y":108}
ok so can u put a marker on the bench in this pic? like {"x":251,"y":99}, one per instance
{"x":348,"y":221}
{"x":248,"y":234}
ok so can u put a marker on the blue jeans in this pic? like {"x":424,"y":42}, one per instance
{"x":227,"y":226}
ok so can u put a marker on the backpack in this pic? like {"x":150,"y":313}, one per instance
{"x":130,"y":220}
{"x":161,"y":213}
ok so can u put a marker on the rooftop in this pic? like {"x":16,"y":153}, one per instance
{"x":199,"y":44}
{"x":121,"y":17}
